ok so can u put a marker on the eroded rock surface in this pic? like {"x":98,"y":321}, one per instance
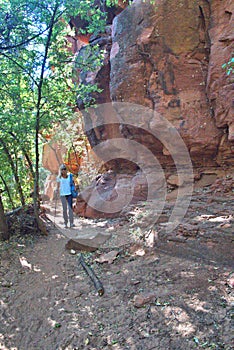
{"x":168,"y":57}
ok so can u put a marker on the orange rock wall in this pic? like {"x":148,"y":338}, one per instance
{"x":169,"y":56}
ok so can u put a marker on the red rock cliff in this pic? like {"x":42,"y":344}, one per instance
{"x":168,"y":56}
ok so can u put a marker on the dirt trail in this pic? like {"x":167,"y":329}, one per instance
{"x":174,"y":295}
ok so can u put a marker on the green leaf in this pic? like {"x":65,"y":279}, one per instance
{"x":57,"y":325}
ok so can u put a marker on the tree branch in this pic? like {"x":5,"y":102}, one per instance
{"x":21,"y":67}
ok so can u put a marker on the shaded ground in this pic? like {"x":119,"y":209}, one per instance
{"x":160,"y":292}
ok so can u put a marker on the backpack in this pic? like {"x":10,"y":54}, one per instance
{"x":74,"y":192}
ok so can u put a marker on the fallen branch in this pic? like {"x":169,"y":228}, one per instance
{"x":97,"y":283}
{"x":13,"y":212}
{"x":22,"y":221}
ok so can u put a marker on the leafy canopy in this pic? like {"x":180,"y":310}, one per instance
{"x":38,"y":86}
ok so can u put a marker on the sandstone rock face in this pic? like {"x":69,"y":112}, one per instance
{"x":50,"y":187}
{"x":220,"y":88}
{"x":110,"y":193}
{"x":52,"y":157}
{"x":169,"y":56}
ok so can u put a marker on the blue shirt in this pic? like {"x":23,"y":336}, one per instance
{"x":65,"y":185}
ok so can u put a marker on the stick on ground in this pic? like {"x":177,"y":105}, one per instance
{"x":97,"y":283}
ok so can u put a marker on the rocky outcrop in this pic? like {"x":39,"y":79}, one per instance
{"x":52,"y":156}
{"x":166,"y":56}
{"x":109,"y":193}
{"x":169,"y":56}
{"x":220,"y":88}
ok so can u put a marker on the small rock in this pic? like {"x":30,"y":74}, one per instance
{"x":76,"y":246}
{"x":140,"y":300}
{"x":174,"y":180}
{"x":137,"y":249}
{"x":108,"y":257}
{"x":230,"y":281}
{"x":135,"y":282}
{"x":226,"y":225}
{"x":140,"y":252}
{"x":150,"y":238}
{"x":179,"y":239}
{"x":25,"y":263}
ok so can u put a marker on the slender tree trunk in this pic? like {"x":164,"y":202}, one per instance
{"x":7,"y":191}
{"x":4,"y":232}
{"x":25,"y":153}
{"x":17,"y":180}
{"x":38,"y":121}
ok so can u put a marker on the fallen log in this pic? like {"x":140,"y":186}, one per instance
{"x":14,"y":211}
{"x":97,"y":283}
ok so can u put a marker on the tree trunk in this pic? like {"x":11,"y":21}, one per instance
{"x":7,"y":191}
{"x":14,"y":170}
{"x":36,"y":202}
{"x":4,"y":233}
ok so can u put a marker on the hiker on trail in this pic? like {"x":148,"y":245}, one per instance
{"x":64,"y":185}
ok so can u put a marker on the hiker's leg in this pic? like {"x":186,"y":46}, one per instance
{"x":64,"y":205}
{"x":70,"y":211}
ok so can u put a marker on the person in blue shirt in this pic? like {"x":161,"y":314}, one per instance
{"x":64,"y":184}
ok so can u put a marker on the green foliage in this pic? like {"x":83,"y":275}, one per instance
{"x":89,"y":59}
{"x":38,"y":87}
